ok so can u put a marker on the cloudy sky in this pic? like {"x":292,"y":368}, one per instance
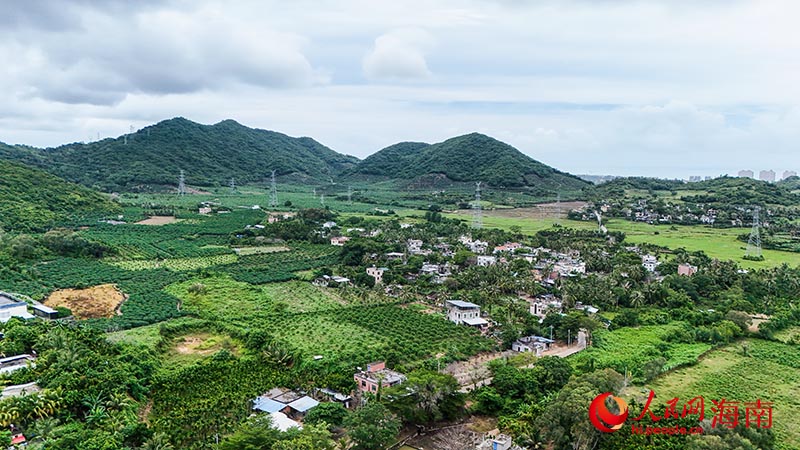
{"x":666,"y":88}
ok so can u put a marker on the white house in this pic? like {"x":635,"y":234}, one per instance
{"x":533,"y":344}
{"x":484,"y":260}
{"x":376,"y":273}
{"x":414,"y":246}
{"x":465,"y":313}
{"x":650,"y":263}
{"x":11,"y":307}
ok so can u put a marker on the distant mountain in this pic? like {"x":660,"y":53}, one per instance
{"x":31,"y":199}
{"x":472,"y":157}
{"x":209,"y":154}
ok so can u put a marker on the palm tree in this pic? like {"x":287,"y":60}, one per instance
{"x":159,"y":441}
{"x":637,"y":299}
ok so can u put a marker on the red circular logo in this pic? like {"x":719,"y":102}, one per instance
{"x":603,"y":419}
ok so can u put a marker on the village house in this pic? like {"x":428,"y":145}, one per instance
{"x":686,"y":269}
{"x":395,"y":256}
{"x":507,"y":247}
{"x":532,"y":344}
{"x":568,"y":267}
{"x":19,"y":390}
{"x":591,"y":310}
{"x":277,"y":217}
{"x":14,"y":363}
{"x":465,"y":313}
{"x":12,"y":307}
{"x":377,"y":376}
{"x":406,"y":225}
{"x":376,"y":273}
{"x":293,"y":404}
{"x":329,"y":225}
{"x":335,"y":397}
{"x":414,"y":246}
{"x":204,"y":210}
{"x":544,"y":304}
{"x":339,"y":240}
{"x":440,"y":272}
{"x":327,"y":281}
{"x":484,"y":260}
{"x":650,"y":263}
{"x":477,"y":247}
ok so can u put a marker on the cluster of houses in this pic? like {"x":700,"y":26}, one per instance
{"x":11,"y":306}
{"x":288,"y":408}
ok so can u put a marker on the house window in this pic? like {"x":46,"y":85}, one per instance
{"x":363,"y":383}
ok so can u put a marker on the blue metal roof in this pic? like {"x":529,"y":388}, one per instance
{"x":267,"y":405}
{"x":303,"y":404}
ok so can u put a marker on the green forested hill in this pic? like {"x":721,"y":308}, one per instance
{"x":209,"y":155}
{"x":472,"y":157}
{"x":31,"y":199}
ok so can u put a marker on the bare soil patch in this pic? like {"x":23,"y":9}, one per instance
{"x":203,"y":344}
{"x":90,"y":303}
{"x":158,"y":220}
{"x":541,"y":211}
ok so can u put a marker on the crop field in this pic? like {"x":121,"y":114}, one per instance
{"x":770,"y":372}
{"x":177,"y":264}
{"x":319,"y":321}
{"x":629,"y":349}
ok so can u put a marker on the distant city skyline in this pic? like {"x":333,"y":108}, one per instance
{"x":616,"y":87}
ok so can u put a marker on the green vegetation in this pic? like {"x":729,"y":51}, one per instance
{"x":630,"y":349}
{"x":472,"y":157}
{"x":31,"y":199}
{"x":745,"y":371}
{"x":154,"y":155}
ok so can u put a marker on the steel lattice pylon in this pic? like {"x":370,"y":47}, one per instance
{"x":754,"y":242}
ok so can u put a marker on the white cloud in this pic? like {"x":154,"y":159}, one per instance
{"x":399,"y":55}
{"x":670,"y":88}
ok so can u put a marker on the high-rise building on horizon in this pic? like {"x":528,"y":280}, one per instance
{"x":788,"y":174}
{"x":767,"y":175}
{"x":746,"y":174}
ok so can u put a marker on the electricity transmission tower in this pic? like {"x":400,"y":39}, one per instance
{"x":349,"y":195}
{"x":558,"y":208}
{"x":477,"y":212}
{"x":182,"y":184}
{"x":322,"y":200}
{"x":232,"y":184}
{"x":273,"y":193}
{"x":754,"y":242}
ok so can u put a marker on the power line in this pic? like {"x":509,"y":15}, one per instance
{"x":754,"y":242}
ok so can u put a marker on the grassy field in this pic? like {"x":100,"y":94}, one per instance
{"x":629,"y":349}
{"x":715,"y":242}
{"x":770,"y":372}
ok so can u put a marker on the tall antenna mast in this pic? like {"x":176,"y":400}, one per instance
{"x":754,"y":242}
{"x":273,"y":193}
{"x":477,"y":212}
{"x":182,"y":184}
{"x":232,"y":184}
